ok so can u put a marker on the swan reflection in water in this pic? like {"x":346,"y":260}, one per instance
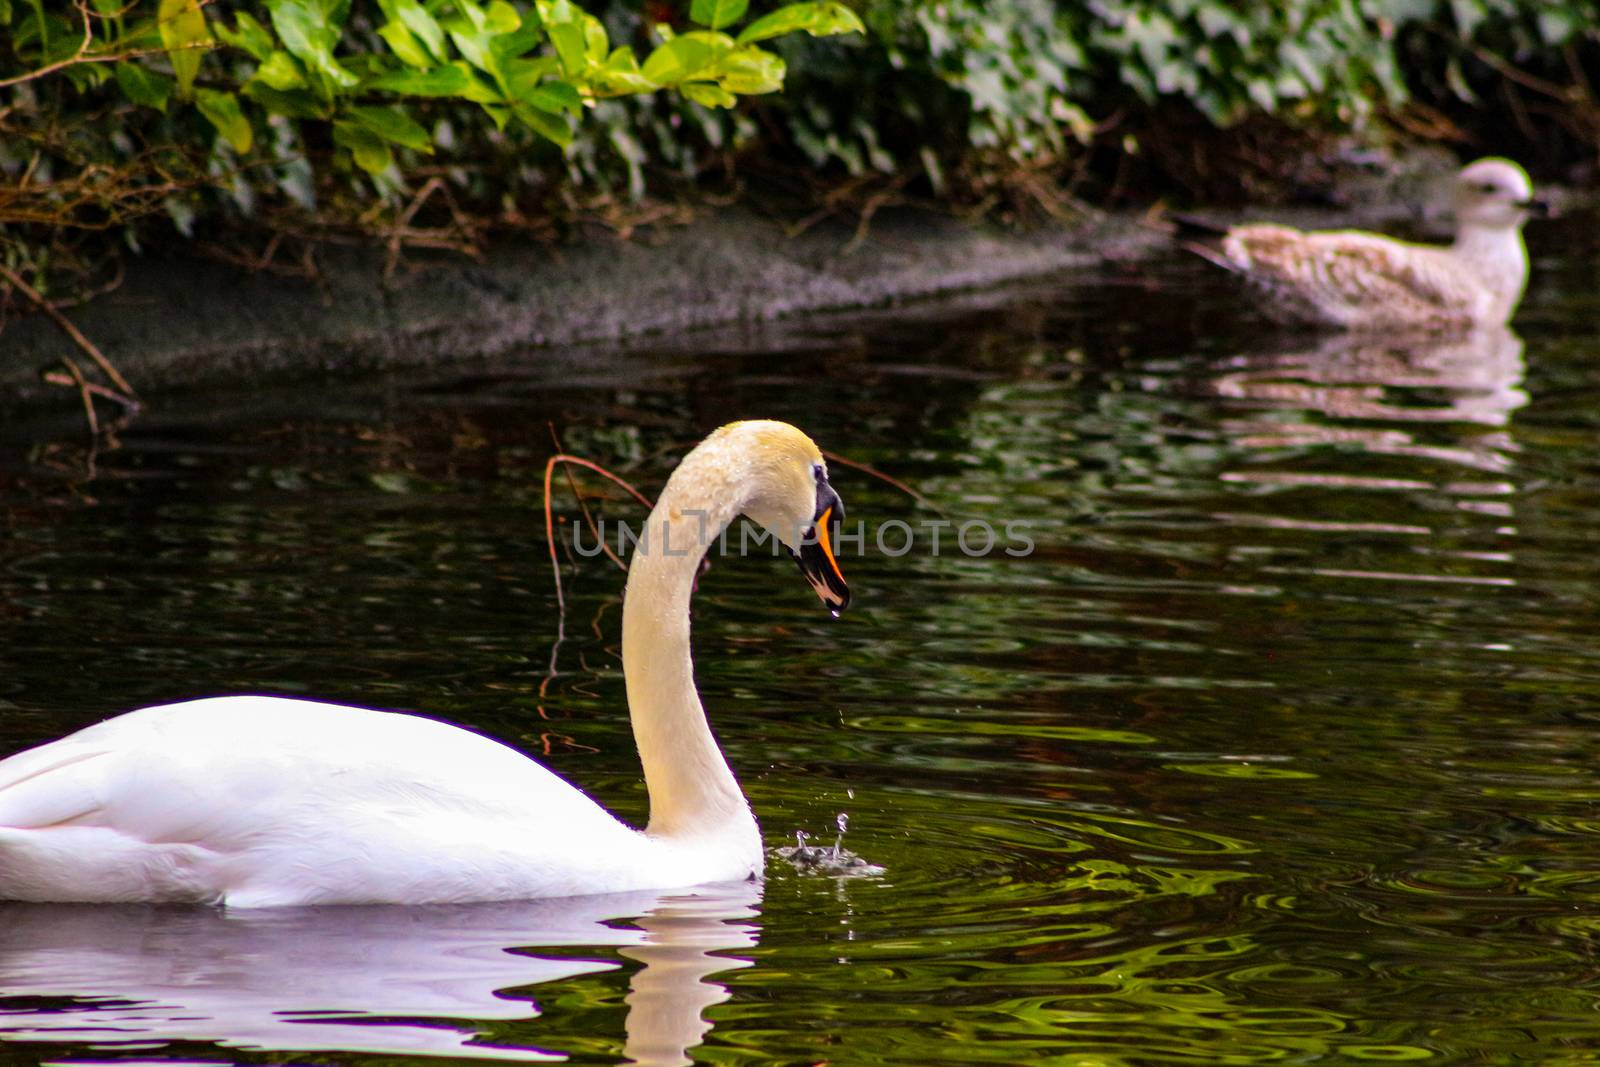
{"x":1400,"y":382}
{"x":380,"y":979}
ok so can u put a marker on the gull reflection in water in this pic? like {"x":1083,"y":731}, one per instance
{"x":1437,"y":409}
{"x":1398,"y":381}
{"x":395,"y":980}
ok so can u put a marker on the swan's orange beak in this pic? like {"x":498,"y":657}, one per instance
{"x":816,"y":557}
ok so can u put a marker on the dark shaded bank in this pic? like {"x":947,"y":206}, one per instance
{"x":179,"y":323}
{"x":191,"y":322}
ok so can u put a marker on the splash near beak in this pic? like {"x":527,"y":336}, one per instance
{"x":817,"y":561}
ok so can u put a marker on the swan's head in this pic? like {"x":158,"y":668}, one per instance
{"x":784,"y":489}
{"x":1495,"y":194}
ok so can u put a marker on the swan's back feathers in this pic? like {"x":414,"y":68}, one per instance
{"x":264,"y":800}
{"x":185,"y":772}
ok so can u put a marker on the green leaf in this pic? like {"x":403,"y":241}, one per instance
{"x":404,"y":44}
{"x":571,"y":46}
{"x":392,"y":124}
{"x":501,"y":115}
{"x":281,"y":72}
{"x":310,"y":34}
{"x":441,"y":81}
{"x":620,"y":83}
{"x":332,"y":13}
{"x":501,"y":18}
{"x":553,"y":97}
{"x":222,"y":111}
{"x":595,"y":41}
{"x":685,"y":56}
{"x":415,"y":18}
{"x":472,"y":14}
{"x":708,"y":94}
{"x":523,"y":74}
{"x":620,"y":76}
{"x":248,"y":36}
{"x":516,"y":43}
{"x":86,"y":76}
{"x":475,"y":45}
{"x":552,"y":127}
{"x":301,"y":32}
{"x":368,"y":149}
{"x":572,"y":31}
{"x":183,"y":28}
{"x":477,"y":90}
{"x":622,"y":59}
{"x":818,"y":19}
{"x":751,"y":71}
{"x":718,"y":13}
{"x":144,"y":87}
{"x":555,"y":11}
{"x":295,"y":104}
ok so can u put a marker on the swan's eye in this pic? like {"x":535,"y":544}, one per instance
{"x":818,"y":473}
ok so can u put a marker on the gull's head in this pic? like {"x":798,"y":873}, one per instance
{"x":1494,"y":194}
{"x":785,"y":490}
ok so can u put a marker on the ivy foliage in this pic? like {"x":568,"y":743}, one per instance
{"x":537,"y":65}
{"x":1028,"y":80}
{"x":316,"y":117}
{"x":114,"y":110}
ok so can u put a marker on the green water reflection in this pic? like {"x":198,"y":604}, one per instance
{"x":1282,"y":746}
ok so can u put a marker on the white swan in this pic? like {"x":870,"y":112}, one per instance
{"x":255,"y":801}
{"x":1363,"y":281}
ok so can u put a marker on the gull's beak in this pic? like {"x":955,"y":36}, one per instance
{"x":1539,"y":209}
{"x":816,"y":558}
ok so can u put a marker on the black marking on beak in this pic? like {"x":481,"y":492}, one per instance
{"x":816,"y":558}
{"x":1539,"y":209}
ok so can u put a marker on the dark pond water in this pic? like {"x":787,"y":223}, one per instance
{"x":1282,"y":745}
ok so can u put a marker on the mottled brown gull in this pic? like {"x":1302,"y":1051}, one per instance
{"x":1365,"y":281}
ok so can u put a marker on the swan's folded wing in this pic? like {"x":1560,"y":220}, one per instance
{"x":111,"y":779}
{"x":236,"y":773}
{"x":1351,"y":269}
{"x":51,"y":786}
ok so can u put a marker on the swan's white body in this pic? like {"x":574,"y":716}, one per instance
{"x":1365,"y":281}
{"x":261,"y":801}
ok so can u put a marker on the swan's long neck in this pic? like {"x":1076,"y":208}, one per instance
{"x":692,"y":791}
